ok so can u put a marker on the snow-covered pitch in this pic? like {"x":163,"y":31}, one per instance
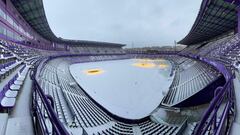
{"x":123,"y":88}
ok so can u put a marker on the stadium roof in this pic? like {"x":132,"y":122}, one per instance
{"x":33,"y":12}
{"x":214,"y":18}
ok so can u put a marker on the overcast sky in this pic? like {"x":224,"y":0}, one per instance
{"x":137,"y":22}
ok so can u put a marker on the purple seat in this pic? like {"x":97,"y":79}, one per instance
{"x":7,"y":102}
{"x":9,"y":93}
{"x":13,"y":86}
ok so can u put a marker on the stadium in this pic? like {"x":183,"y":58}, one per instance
{"x":56,"y":86}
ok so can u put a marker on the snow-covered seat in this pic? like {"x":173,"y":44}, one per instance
{"x":12,"y":65}
{"x":8,"y":102}
{"x":4,"y":70}
{"x":9,"y":66}
{"x":2,"y":73}
{"x":18,"y":82}
{"x":22,"y":73}
{"x":14,"y":84}
{"x":21,"y":78}
{"x":11,"y":94}
{"x":15,"y":87}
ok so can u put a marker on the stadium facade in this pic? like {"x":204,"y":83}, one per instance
{"x":39,"y":95}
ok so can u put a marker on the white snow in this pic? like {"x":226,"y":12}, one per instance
{"x":123,"y":89}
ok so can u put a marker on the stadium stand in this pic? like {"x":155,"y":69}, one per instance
{"x":76,"y":109}
{"x":186,"y":85}
{"x":38,"y":94}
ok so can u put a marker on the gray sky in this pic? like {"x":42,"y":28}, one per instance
{"x":142,"y":22}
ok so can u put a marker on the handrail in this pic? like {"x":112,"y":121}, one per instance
{"x":38,"y":96}
{"x":224,"y":94}
{"x":56,"y":125}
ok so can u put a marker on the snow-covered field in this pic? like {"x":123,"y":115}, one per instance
{"x":124,"y":89}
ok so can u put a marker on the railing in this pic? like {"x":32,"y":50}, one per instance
{"x":222,"y":105}
{"x":224,"y":98}
{"x":212,"y":122}
{"x":219,"y":116}
{"x":45,"y":118}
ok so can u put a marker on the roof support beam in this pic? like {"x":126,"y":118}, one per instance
{"x":236,"y":2}
{"x":214,"y":18}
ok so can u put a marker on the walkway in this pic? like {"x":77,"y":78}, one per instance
{"x":20,"y":120}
